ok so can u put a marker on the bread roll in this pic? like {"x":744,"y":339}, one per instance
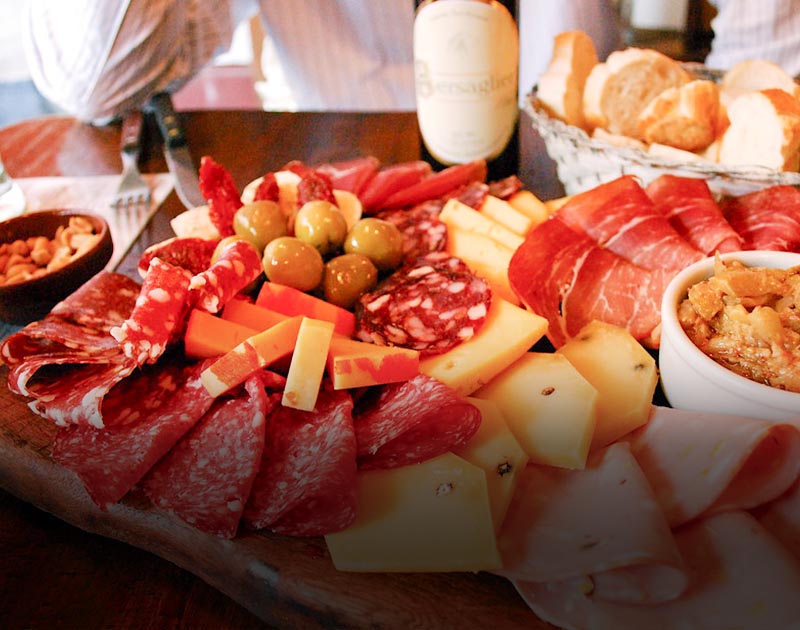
{"x":764,"y":129}
{"x":683,"y":117}
{"x":618,"y":90}
{"x":560,"y":88}
{"x":755,"y":75}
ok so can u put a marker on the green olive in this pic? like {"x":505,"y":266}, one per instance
{"x":260,"y":222}
{"x":290,"y":261}
{"x":378,"y":240}
{"x":347,"y":278}
{"x":321,"y":224}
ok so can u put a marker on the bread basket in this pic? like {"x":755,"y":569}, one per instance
{"x":584,"y":162}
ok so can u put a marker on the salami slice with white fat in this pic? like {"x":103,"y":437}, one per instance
{"x":421,"y":228}
{"x":158,"y":315}
{"x":56,"y":336}
{"x":111,"y":461}
{"x":238,"y":265}
{"x":206,"y":478}
{"x":101,"y":303}
{"x":411,"y":422}
{"x":190,"y":253}
{"x":427,"y":307}
{"x":306,"y":485}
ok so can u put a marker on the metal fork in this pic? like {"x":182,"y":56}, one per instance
{"x":133,"y":190}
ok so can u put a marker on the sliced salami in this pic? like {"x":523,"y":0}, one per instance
{"x":306,"y":483}
{"x":411,"y":422}
{"x":237,"y":266}
{"x":32,"y":377}
{"x":191,"y":253}
{"x":111,"y":461}
{"x":206,"y":478}
{"x":158,"y":314}
{"x":421,"y":228}
{"x":101,"y":303}
{"x":219,"y":190}
{"x":427,"y":308}
{"x":314,"y":186}
{"x":54,"y":335}
{"x":268,"y":189}
{"x":506,"y":187}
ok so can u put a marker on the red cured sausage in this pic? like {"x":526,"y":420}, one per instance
{"x":411,"y":422}
{"x":192,"y":254}
{"x":306,"y":483}
{"x":351,"y":175}
{"x":101,"y":303}
{"x":268,"y":189}
{"x":220,"y":191}
{"x":390,"y":180}
{"x":237,"y":266}
{"x":767,"y":219}
{"x":438,"y":184}
{"x":421,"y":228}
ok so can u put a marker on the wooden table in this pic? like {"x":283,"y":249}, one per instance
{"x":52,"y":574}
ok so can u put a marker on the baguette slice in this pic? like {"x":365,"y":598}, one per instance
{"x":683,"y":117}
{"x":618,"y":90}
{"x":755,"y":75}
{"x":764,"y":129}
{"x":560,"y":88}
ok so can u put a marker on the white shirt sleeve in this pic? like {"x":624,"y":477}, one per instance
{"x":96,"y":59}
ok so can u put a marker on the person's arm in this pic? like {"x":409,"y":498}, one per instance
{"x":96,"y":59}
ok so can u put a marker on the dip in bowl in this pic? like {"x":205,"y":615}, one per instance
{"x":735,"y":383}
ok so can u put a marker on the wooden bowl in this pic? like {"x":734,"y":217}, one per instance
{"x":26,"y":301}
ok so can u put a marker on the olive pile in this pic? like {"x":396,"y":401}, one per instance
{"x":322,"y":254}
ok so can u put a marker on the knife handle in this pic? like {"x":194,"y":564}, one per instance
{"x":167,"y":119}
{"x":131,"y":130}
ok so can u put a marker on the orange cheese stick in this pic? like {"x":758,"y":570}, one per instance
{"x":354,"y":363}
{"x":290,"y":301}
{"x":209,"y":336}
{"x":251,"y":315}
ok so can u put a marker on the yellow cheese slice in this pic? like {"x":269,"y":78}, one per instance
{"x":506,"y":215}
{"x":354,"y":363}
{"x":530,"y":205}
{"x":507,"y":334}
{"x":485,"y":257}
{"x":308,"y":364}
{"x":433,"y":516}
{"x":549,"y":406}
{"x":459,"y":215}
{"x":623,"y":373}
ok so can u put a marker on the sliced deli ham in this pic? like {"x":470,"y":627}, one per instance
{"x":411,"y":422}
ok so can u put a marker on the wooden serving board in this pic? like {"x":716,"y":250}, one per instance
{"x":285,"y":581}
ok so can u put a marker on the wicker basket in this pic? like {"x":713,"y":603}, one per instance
{"x":584,"y":162}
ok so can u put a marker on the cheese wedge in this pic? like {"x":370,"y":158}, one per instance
{"x":530,"y":205}
{"x":209,"y":336}
{"x":506,"y":215}
{"x":251,"y":315}
{"x":354,"y":363}
{"x":485,"y":257}
{"x":459,"y":215}
{"x":308,"y":364}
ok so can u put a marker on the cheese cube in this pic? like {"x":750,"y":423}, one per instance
{"x":254,"y":353}
{"x":209,"y":336}
{"x":495,"y":449}
{"x":506,"y":215}
{"x":251,"y":315}
{"x":623,"y":373}
{"x":549,"y":407}
{"x":308,"y":364}
{"x":456,"y":214}
{"x":485,"y":258}
{"x":433,"y":516}
{"x":530,"y":205}
{"x":506,"y":335}
{"x":354,"y":363}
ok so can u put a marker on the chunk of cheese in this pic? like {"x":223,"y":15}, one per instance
{"x":530,"y":205}
{"x":506,"y":215}
{"x":549,"y":407}
{"x":308,"y":364}
{"x":622,"y":371}
{"x":456,"y":214}
{"x":554,"y":205}
{"x":495,"y":449}
{"x":485,"y":257}
{"x":354,"y":363}
{"x":251,"y":315}
{"x":254,"y":353}
{"x":209,"y":336}
{"x":194,"y":223}
{"x":291,"y":301}
{"x":507,"y":334}
{"x":433,"y":516}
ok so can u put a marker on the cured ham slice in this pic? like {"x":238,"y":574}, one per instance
{"x":767,"y":219}
{"x":619,"y":216}
{"x":602,"y":522}
{"x":351,"y":175}
{"x":694,"y":213}
{"x":565,"y":277}
{"x":739,"y":577}
{"x":703,"y":463}
{"x":438,"y":184}
{"x":390,"y":180}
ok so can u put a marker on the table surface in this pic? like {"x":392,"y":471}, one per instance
{"x":53,"y":574}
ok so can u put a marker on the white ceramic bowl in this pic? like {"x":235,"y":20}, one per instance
{"x":692,"y":380}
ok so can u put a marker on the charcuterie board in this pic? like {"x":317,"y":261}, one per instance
{"x":283,"y":580}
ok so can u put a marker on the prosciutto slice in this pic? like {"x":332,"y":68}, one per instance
{"x":619,"y":216}
{"x":564,"y":276}
{"x":767,"y":219}
{"x":691,"y":209}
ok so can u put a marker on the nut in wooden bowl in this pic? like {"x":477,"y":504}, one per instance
{"x":45,"y":256}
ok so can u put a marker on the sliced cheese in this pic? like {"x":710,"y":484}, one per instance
{"x":256,"y":352}
{"x":251,"y":315}
{"x":209,"y":336}
{"x":507,"y":334}
{"x":506,"y":215}
{"x":623,"y":373}
{"x":354,"y":363}
{"x":530,"y":205}
{"x":308,"y":364}
{"x":495,"y":449}
{"x":291,"y":301}
{"x":549,"y":407}
{"x":433,"y":516}
{"x":459,"y":215}
{"x":485,"y":257}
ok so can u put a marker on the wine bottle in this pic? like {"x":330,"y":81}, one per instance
{"x":466,"y":66}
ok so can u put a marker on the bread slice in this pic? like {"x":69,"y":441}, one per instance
{"x":560,"y":88}
{"x":617,"y":90}
{"x":683,"y":117}
{"x":755,"y":75}
{"x":618,"y":140}
{"x":764,"y":129}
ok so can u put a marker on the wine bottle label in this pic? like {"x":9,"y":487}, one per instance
{"x":466,"y":58}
